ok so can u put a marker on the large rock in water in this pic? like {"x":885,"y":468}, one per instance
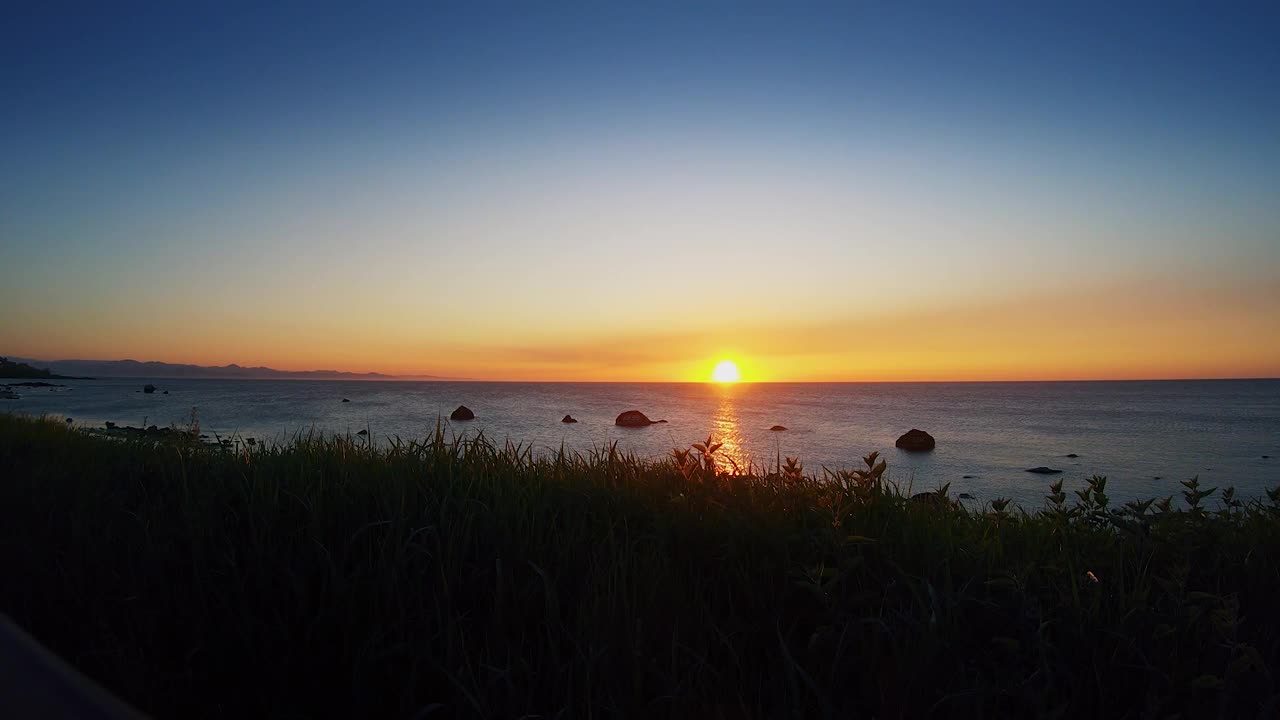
{"x":915,"y":441}
{"x":634,"y":418}
{"x":1042,"y":470}
{"x":462,"y":413}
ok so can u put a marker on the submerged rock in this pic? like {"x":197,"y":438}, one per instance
{"x":777,"y":428}
{"x":915,"y":440}
{"x":568,"y":419}
{"x":462,"y":413}
{"x":1042,"y":470}
{"x":634,"y":418}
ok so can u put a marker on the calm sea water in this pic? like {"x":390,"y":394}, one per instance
{"x":1145,"y":436}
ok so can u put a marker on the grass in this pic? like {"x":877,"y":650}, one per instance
{"x":459,"y":578}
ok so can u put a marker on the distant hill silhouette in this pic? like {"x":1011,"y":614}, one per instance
{"x":15,"y":368}
{"x":134,"y":368}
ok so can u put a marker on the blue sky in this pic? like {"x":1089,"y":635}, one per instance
{"x":450,"y":180}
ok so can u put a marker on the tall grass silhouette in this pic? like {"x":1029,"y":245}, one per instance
{"x":459,"y":577}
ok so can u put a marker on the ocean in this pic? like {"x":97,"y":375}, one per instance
{"x":1145,"y":436}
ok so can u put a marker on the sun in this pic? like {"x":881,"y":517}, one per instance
{"x":726,"y":372}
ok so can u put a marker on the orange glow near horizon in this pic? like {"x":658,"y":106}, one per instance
{"x":1136,"y":328}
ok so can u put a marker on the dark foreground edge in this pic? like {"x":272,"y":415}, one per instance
{"x":35,"y":683}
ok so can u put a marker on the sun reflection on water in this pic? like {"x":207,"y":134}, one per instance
{"x":726,"y":428}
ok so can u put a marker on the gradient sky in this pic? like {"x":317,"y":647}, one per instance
{"x":632,"y":191}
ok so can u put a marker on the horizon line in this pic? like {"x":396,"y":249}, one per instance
{"x":410,"y":378}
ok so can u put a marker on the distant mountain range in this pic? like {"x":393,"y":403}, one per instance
{"x":133,"y":368}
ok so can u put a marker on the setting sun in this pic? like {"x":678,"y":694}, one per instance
{"x":726,"y":372}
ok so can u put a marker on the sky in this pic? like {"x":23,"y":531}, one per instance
{"x":635,"y":191}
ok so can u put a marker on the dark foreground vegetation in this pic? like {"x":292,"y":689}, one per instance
{"x":464,"y":579}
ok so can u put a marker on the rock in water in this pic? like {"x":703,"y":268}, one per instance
{"x":345,"y":400}
{"x":148,"y":388}
{"x":1071,"y":455}
{"x":363,"y":432}
{"x":1042,"y":470}
{"x":634,"y":418}
{"x":462,"y":413}
{"x":568,"y":419}
{"x":915,"y":441}
{"x":777,"y":428}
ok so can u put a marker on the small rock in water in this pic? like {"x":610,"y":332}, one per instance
{"x":148,"y":388}
{"x":966,"y":477}
{"x":1042,"y":470}
{"x":166,"y":392}
{"x":1071,"y":455}
{"x":777,"y":428}
{"x":568,"y":419}
{"x":462,"y":413}
{"x":1266,"y":457}
{"x":1156,"y":477}
{"x":966,"y":496}
{"x":345,"y":400}
{"x":363,"y":432}
{"x":915,"y":440}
